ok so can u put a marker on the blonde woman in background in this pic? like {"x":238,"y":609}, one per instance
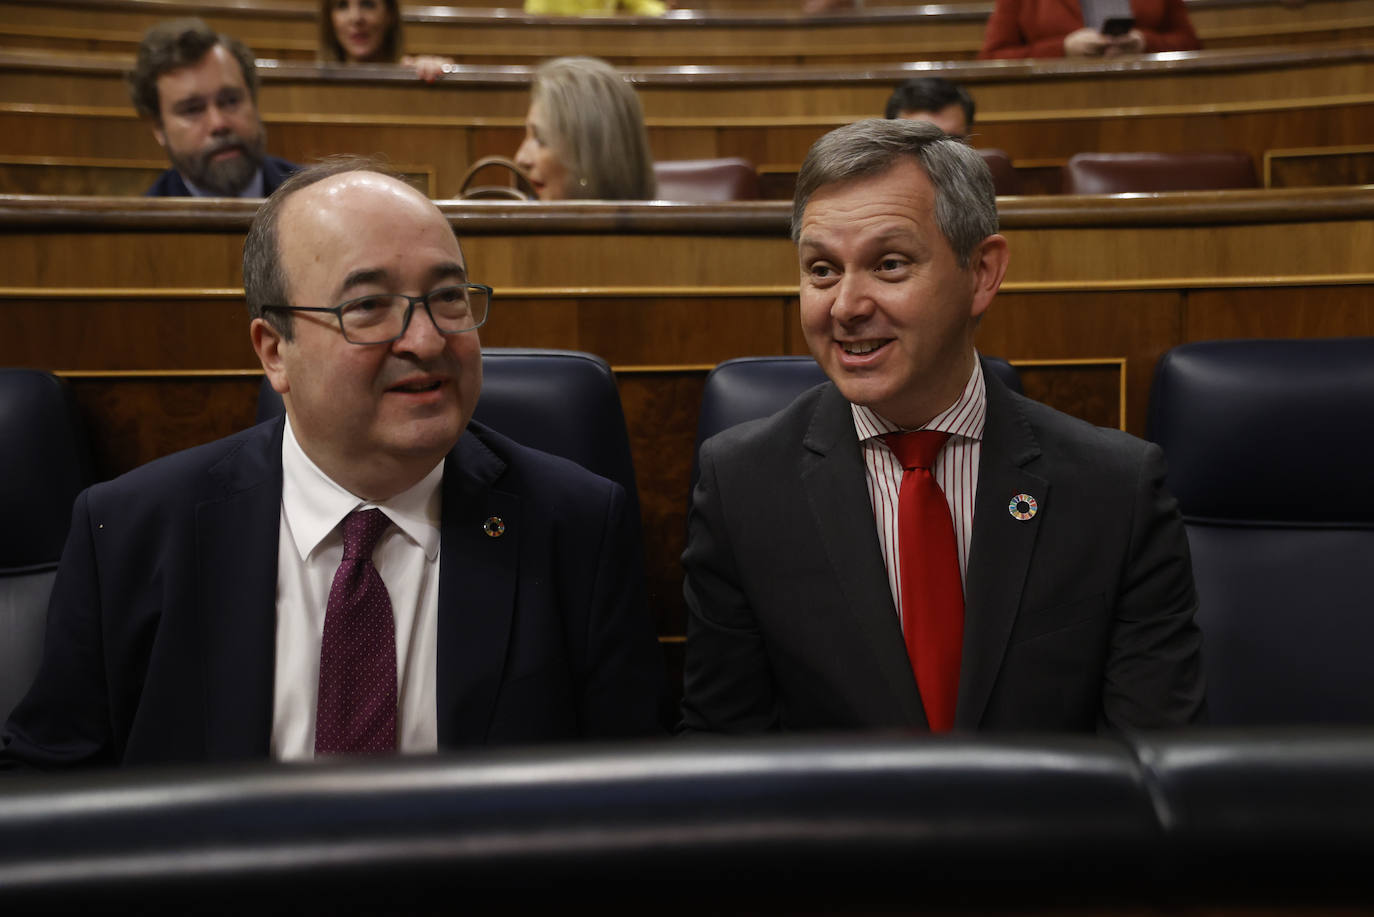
{"x":369,"y":32}
{"x":584,"y":134}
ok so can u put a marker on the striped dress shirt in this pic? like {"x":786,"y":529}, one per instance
{"x":956,"y":471}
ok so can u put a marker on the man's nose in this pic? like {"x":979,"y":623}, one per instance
{"x":422,"y":336}
{"x":853,"y":298}
{"x":217,"y":121}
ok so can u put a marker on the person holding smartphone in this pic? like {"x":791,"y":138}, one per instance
{"x":1070,"y":28}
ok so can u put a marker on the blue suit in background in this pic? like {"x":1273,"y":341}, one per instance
{"x":274,"y":172}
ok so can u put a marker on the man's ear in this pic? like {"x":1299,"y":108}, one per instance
{"x":986,"y":267}
{"x":159,"y":134}
{"x":269,"y":343}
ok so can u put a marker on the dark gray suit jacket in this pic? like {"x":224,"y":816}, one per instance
{"x":1080,"y":618}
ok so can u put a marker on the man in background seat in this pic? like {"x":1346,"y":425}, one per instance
{"x":930,"y":98}
{"x":199,"y":92}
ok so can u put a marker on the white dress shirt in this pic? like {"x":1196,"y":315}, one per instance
{"x":309,"y":550}
{"x":956,"y":471}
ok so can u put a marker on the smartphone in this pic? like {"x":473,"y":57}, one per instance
{"x":1118,"y":26}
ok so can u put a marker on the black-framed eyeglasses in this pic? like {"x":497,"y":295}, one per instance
{"x":381,"y":318}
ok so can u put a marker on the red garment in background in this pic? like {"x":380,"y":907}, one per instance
{"x":1036,"y":28}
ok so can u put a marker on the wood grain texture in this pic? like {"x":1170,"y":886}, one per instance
{"x":1038,"y":112}
{"x":780,"y":35}
{"x":1317,"y":166}
{"x":138,"y":300}
{"x":1134,"y":326}
{"x":95,"y":332}
{"x":133,"y":420}
{"x":1090,"y":391}
{"x":1344,"y":310}
{"x":661,"y":411}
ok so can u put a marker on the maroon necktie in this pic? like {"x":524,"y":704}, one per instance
{"x":357,"y":703}
{"x":932,"y":592}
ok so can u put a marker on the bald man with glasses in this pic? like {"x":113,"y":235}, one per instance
{"x":372,"y":573}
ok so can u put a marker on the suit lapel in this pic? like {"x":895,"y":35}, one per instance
{"x":176,"y":185}
{"x":477,"y":578}
{"x":999,"y":556}
{"x":236,"y":583}
{"x":833,"y":481}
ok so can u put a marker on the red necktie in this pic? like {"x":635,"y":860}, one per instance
{"x":356,"y":711}
{"x":932,"y":592}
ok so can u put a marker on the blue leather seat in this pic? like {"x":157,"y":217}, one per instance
{"x":1242,"y":822}
{"x":559,"y":401}
{"x":1269,"y":814}
{"x":1270,"y":445}
{"x":44,"y":463}
{"x":749,"y":387}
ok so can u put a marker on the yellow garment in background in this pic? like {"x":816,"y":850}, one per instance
{"x":595,"y":7}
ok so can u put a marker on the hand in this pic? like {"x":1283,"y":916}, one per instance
{"x":427,"y":66}
{"x":1085,"y":42}
{"x":1133,"y":42}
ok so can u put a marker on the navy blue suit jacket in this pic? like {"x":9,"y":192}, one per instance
{"x":274,"y":172}
{"x":161,"y":629}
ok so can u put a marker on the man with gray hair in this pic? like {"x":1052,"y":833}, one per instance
{"x":911,"y":544}
{"x":199,"y":91}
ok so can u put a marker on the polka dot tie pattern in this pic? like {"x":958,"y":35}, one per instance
{"x":932,"y":591}
{"x":356,"y":713}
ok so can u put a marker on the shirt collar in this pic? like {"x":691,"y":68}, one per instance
{"x":255,"y":187}
{"x":962,"y":418}
{"x":314,"y":504}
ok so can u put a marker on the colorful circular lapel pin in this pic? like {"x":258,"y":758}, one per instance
{"x":494,"y":527}
{"x":1023,"y":507}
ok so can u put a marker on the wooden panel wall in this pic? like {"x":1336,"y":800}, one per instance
{"x":140,"y":304}
{"x":1040,"y":112}
{"x":1240,"y":79}
{"x":286,"y":30}
{"x":1314,"y":166}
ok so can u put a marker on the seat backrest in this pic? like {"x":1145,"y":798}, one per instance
{"x":1118,"y":173}
{"x":1004,"y":178}
{"x":561,"y":401}
{"x":1269,"y":445}
{"x":750,"y":387}
{"x":45,"y":462}
{"x":708,"y":180}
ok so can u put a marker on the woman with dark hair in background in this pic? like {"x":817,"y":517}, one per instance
{"x":369,"y":32}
